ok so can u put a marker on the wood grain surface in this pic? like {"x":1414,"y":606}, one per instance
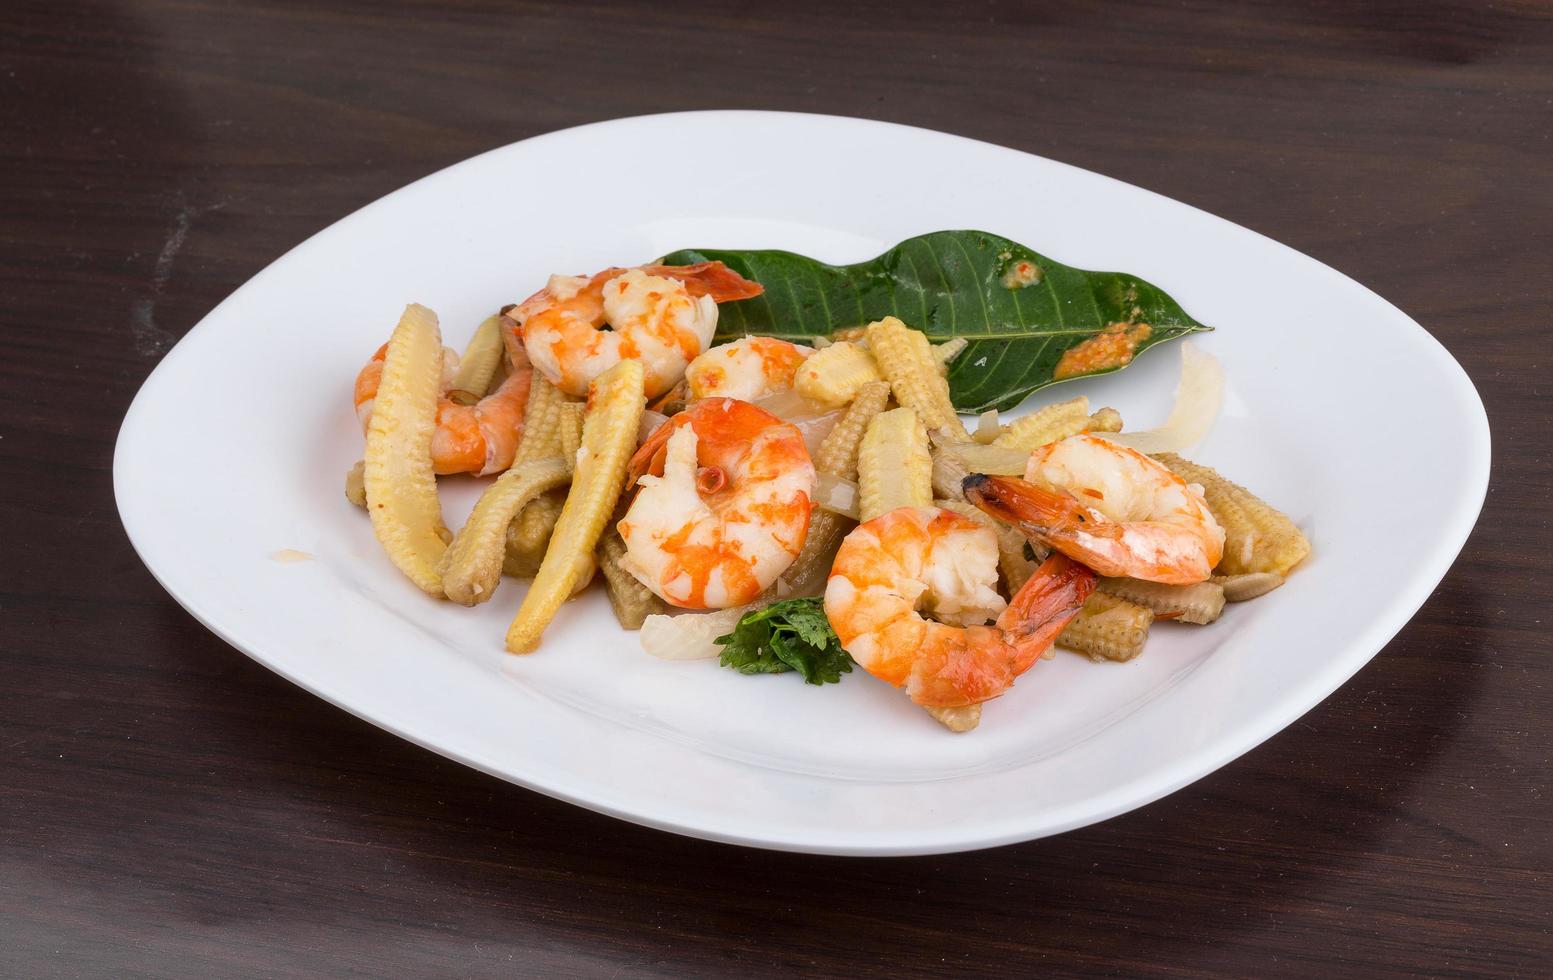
{"x":169,"y":808}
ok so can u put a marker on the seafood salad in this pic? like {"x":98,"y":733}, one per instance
{"x":809,"y":507}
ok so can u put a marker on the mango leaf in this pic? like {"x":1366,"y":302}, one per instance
{"x":1020,"y":311}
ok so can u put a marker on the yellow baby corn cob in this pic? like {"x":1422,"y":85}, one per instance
{"x":894,"y":468}
{"x":946,"y":352}
{"x":906,"y":359}
{"x":832,"y":376}
{"x":1046,"y":424}
{"x":397,"y":474}
{"x":961,"y":719}
{"x":1241,"y":588}
{"x":837,"y":456}
{"x":356,"y":484}
{"x":1107,"y":628}
{"x":608,"y":439}
{"x":632,"y":601}
{"x":472,"y":565}
{"x":530,"y":530}
{"x":570,"y":430}
{"x":1105,"y":420}
{"x":478,"y":365}
{"x":1257,"y":538}
{"x":1201,"y":603}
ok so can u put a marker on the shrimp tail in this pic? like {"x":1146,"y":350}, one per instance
{"x":712,"y":279}
{"x":1039,"y":513}
{"x":650,"y":456}
{"x":1042,"y":608}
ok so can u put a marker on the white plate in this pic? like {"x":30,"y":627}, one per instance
{"x":1340,"y":409}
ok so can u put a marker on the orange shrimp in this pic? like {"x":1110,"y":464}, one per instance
{"x":723,"y":507}
{"x":748,"y":368}
{"x":945,"y":564}
{"x":578,"y":327}
{"x":481,"y":438}
{"x":1110,"y":507}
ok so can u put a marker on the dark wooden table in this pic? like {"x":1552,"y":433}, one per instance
{"x":169,"y":808}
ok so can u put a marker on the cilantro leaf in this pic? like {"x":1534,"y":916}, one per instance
{"x":784,"y":636}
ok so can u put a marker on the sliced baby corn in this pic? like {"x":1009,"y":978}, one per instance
{"x":1107,"y":628}
{"x":530,"y":530}
{"x":1257,"y":538}
{"x":961,"y":719}
{"x":905,"y":357}
{"x":478,"y":365}
{"x":570,"y":429}
{"x":356,"y":484}
{"x":837,"y":456}
{"x":1241,"y":588}
{"x":946,"y":352}
{"x":838,"y":451}
{"x":1201,"y":603}
{"x":834,"y":375}
{"x":472,"y":565}
{"x":1046,"y":424}
{"x":632,"y":601}
{"x":608,"y":439}
{"x":894,"y":468}
{"x":400,"y":486}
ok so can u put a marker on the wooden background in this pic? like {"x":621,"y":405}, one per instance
{"x":169,"y":808}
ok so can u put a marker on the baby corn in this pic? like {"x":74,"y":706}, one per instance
{"x":906,"y":359}
{"x":401,"y":488}
{"x":608,"y":439}
{"x":832,"y":376}
{"x":1201,"y":603}
{"x":570,"y":430}
{"x":1240,"y":588}
{"x":632,"y":601}
{"x":1046,"y":424}
{"x":1107,"y":628}
{"x":530,"y":530}
{"x":478,"y":365}
{"x":894,"y":468}
{"x":946,"y":352}
{"x":1257,"y":538}
{"x":837,"y":456}
{"x":957,"y":719}
{"x":472,"y":565}
{"x":356,"y":484}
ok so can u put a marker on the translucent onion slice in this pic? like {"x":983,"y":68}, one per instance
{"x":649,"y":424}
{"x":789,"y":406}
{"x":690,"y":635}
{"x":1199,"y":396}
{"x":836,"y":494}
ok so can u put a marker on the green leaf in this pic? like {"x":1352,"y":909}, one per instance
{"x":951,"y":284}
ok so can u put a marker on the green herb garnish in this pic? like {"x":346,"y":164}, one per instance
{"x":789,"y":635}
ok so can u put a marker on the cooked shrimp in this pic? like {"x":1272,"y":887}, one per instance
{"x":1110,"y":507}
{"x":945,"y":564}
{"x":578,"y":327}
{"x":728,"y":510}
{"x":749,"y":368}
{"x":480,"y":438}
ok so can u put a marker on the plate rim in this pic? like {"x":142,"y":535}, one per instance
{"x":1186,"y":768}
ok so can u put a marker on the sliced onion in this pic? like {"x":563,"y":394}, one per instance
{"x":690,"y":635}
{"x":815,"y":429}
{"x":650,"y":422}
{"x":789,"y":406}
{"x":1199,"y":396}
{"x":836,"y":494}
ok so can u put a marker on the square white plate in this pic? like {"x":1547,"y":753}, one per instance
{"x":1340,"y":410}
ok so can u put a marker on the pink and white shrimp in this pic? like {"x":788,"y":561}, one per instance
{"x":578,"y":327}
{"x":1110,"y":507}
{"x":748,"y":368}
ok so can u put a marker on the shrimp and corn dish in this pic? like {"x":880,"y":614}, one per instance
{"x":790,"y":507}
